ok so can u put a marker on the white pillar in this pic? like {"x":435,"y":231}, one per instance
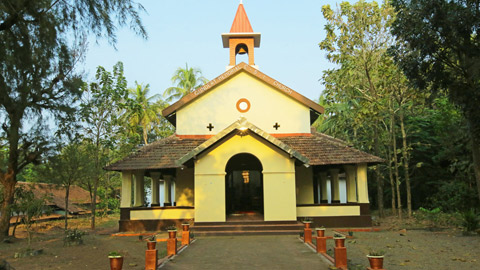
{"x":342,"y":190}
{"x":336,"y":188}
{"x":155,"y":196}
{"x":351,"y":185}
{"x":329,"y":190}
{"x":323,"y":186}
{"x":126,"y":197}
{"x":362,"y":184}
{"x":139,"y":197}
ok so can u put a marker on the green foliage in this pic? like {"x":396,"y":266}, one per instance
{"x":29,"y":208}
{"x":73,"y":237}
{"x":186,"y":80}
{"x":435,"y":218}
{"x":109,"y":203}
{"x":171,"y":228}
{"x":143,"y":114}
{"x":114,"y":254}
{"x":373,"y":252}
{"x":42,"y":41}
{"x":471,"y":220}
{"x":440,"y":51}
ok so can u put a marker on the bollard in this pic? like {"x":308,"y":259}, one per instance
{"x":171,"y":246}
{"x":151,"y":258}
{"x":307,"y":235}
{"x":321,"y":244}
{"x":185,"y":238}
{"x":340,"y":257}
{"x":186,"y":234}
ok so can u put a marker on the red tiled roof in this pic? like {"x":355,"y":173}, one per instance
{"x":319,"y":148}
{"x":161,"y":154}
{"x":241,"y":24}
{"x":322,"y":149}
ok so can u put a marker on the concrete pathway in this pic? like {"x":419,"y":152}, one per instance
{"x":247,"y":252}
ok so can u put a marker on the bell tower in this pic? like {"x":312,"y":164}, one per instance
{"x":241,"y":39}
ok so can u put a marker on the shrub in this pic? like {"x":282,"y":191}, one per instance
{"x":436,"y":217}
{"x":470,"y":221}
{"x":73,"y":237}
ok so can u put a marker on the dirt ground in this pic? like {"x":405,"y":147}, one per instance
{"x":91,"y":255}
{"x":415,"y":248}
{"x":412,"y":245}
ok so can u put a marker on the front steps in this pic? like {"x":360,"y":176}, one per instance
{"x":247,"y":227}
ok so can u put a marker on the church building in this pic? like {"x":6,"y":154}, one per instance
{"x":244,"y":147}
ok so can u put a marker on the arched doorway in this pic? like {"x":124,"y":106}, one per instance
{"x":244,"y":185}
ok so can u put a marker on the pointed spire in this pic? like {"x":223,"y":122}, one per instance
{"x":241,"y":24}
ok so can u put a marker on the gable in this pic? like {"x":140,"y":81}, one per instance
{"x":222,"y":104}
{"x":170,"y":112}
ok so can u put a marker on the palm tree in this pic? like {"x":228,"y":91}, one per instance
{"x":186,"y":80}
{"x":142,"y":111}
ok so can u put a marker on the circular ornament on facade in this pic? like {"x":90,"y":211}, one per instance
{"x":243,"y":105}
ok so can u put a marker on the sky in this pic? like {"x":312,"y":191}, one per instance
{"x":189,"y":31}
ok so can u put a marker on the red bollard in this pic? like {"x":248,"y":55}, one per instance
{"x":307,"y":235}
{"x":321,"y":245}
{"x":340,"y":257}
{"x":151,"y":258}
{"x":186,"y":234}
{"x":185,"y":238}
{"x":171,"y":246}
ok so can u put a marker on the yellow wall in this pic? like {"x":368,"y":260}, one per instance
{"x":184,"y":187}
{"x":268,"y":106}
{"x":328,"y":211}
{"x":162,"y":214}
{"x":304,"y":184}
{"x":278,"y":178}
{"x":209,"y":197}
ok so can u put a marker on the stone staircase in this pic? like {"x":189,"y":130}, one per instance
{"x":246,"y":227}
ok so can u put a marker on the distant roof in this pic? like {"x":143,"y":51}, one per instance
{"x":318,"y":148}
{"x":242,"y":67}
{"x":56,"y":194}
{"x":241,"y":24}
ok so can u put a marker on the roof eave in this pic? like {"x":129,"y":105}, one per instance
{"x":255,"y":35}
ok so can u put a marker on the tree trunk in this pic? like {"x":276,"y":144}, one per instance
{"x":405,"y":165}
{"x":397,"y":176}
{"x":378,"y":177}
{"x":145,"y":135}
{"x":475,"y":140}
{"x":15,"y":226}
{"x":67,"y":194}
{"x":94,"y":202}
{"x":390,"y":176}
{"x":8,"y":181}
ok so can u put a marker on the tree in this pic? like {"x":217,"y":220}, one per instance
{"x":442,"y":51}
{"x":67,"y":168}
{"x":357,"y":39}
{"x":142,"y":111}
{"x":186,"y":80}
{"x":37,"y":77}
{"x":30,"y":208}
{"x":102,"y":104}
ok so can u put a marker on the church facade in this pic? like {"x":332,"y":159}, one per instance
{"x":244,"y":146}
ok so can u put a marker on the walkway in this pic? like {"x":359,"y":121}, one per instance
{"x":247,"y":252}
